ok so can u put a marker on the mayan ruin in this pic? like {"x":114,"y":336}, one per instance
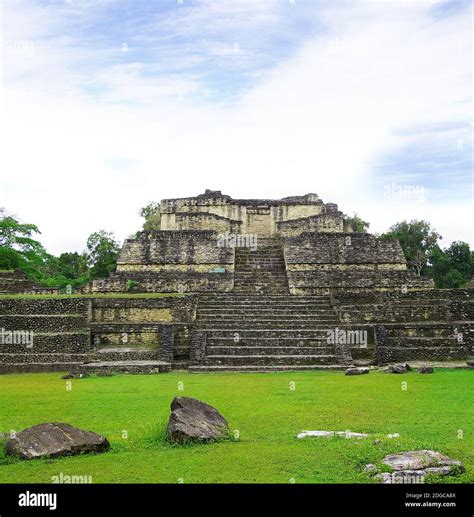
{"x":254,"y":285}
{"x":236,"y":257}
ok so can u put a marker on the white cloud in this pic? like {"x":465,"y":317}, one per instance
{"x":318,"y":121}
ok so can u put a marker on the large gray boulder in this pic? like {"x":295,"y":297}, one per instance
{"x":193,"y":420}
{"x":54,"y":439}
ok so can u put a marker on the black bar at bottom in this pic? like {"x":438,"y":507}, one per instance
{"x":141,"y":499}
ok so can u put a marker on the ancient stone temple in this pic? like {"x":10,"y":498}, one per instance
{"x":247,"y":285}
{"x":205,"y":240}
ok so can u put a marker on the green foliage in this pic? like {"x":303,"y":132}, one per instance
{"x":132,"y":285}
{"x":9,"y":258}
{"x":16,"y":235}
{"x":453,"y":267}
{"x":417,"y":240}
{"x":152,"y":215}
{"x":358,"y":224}
{"x":103,"y":253}
{"x":19,"y":249}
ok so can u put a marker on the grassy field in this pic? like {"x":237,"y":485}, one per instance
{"x":132,"y":411}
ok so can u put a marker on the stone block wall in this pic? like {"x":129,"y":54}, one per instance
{"x":327,"y":222}
{"x":322,"y":262}
{"x":70,"y":331}
{"x":58,"y":325}
{"x":174,"y":247}
{"x":17,"y":282}
{"x":138,"y":322}
{"x":170,"y":261}
{"x":207,"y":221}
{"x":250,"y":216}
{"x":423,"y":325}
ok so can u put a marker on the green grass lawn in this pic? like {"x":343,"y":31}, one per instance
{"x":132,"y":411}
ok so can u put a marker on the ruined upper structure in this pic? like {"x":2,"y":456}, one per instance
{"x":320,"y":252}
{"x":263,"y":217}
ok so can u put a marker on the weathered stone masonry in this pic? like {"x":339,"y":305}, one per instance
{"x":245,"y":309}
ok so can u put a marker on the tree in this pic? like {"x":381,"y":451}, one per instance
{"x":16,"y":235}
{"x":19,"y":248}
{"x":9,"y":258}
{"x":152,"y":215}
{"x":103,"y":253}
{"x":461,"y":258}
{"x":453,"y":267}
{"x":417,"y":240}
{"x":73,"y":265}
{"x":358,"y":224}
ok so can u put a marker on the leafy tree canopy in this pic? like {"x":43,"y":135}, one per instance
{"x":103,"y":252}
{"x":417,"y":240}
{"x":358,"y":224}
{"x":152,"y":215}
{"x":453,"y":267}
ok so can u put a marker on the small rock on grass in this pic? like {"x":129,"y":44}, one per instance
{"x":398,"y":368}
{"x":356,"y":371}
{"x":425,"y":369}
{"x":413,"y":466}
{"x":75,"y":376}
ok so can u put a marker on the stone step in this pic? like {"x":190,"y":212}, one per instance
{"x":269,"y":287}
{"x":263,"y":290}
{"x":123,"y":354}
{"x":266,"y":316}
{"x":273,"y":299}
{"x":251,"y":264}
{"x":268,"y":281}
{"x":145,"y":367}
{"x":231,"y":307}
{"x":272,"y":315}
{"x":424,"y":353}
{"x":245,"y":325}
{"x":263,"y":368}
{"x":255,"y":276}
{"x":38,"y":367}
{"x":314,"y":333}
{"x":180,"y":365}
{"x":268,"y":360}
{"x":269,"y":342}
{"x":52,"y":342}
{"x":252,"y":311}
{"x":238,"y":350}
{"x":417,"y":341}
{"x":28,"y":357}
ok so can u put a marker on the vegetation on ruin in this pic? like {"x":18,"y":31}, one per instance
{"x":434,"y":412}
{"x":357,"y":223}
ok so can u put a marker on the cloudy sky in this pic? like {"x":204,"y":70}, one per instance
{"x":109,"y":104}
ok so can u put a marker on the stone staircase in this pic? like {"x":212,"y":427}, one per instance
{"x":261,"y":271}
{"x":260,"y":326}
